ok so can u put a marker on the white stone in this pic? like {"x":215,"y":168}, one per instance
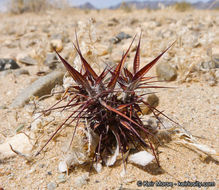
{"x":97,"y":167}
{"x":82,"y":180}
{"x":19,"y":142}
{"x":63,"y":167}
{"x":141,"y":158}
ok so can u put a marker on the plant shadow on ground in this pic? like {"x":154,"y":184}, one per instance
{"x":207,"y":159}
{"x":210,"y":159}
{"x":152,"y":169}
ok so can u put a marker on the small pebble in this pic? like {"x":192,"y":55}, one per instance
{"x":19,"y":142}
{"x":51,"y":186}
{"x":61,"y":178}
{"x":11,"y":176}
{"x":129,"y":180}
{"x":20,"y":127}
{"x":166,"y":72}
{"x":207,"y":65}
{"x":81,"y":180}
{"x":217,"y":75}
{"x":21,"y":72}
{"x":151,"y":99}
{"x":6,"y":64}
{"x":113,"y":22}
{"x":28,"y":60}
{"x":49,"y":173}
{"x":41,"y":165}
{"x":5,"y":73}
{"x":51,"y":61}
{"x":217,"y":108}
{"x":193,"y":178}
{"x":119,"y":37}
{"x":215,"y":59}
{"x":40,"y":87}
{"x":3,"y":107}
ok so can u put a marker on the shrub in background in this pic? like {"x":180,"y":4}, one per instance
{"x":21,"y":6}
{"x":182,"y":6}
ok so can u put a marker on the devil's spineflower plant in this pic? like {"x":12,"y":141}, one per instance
{"x":110,"y":104}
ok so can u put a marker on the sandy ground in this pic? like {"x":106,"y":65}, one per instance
{"x":195,"y":105}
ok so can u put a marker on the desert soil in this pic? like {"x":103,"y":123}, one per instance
{"x":194,"y":102}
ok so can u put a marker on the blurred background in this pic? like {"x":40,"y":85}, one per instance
{"x":30,"y":5}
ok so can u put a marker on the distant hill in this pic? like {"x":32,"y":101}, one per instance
{"x":155,"y":4}
{"x":86,"y":5}
{"x":144,"y":4}
{"x":211,"y":4}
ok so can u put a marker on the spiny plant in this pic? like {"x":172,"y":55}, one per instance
{"x":110,"y":103}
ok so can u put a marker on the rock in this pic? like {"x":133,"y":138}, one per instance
{"x":21,"y":72}
{"x":3,"y":107}
{"x":6,"y":64}
{"x":123,"y":35}
{"x":19,"y":128}
{"x":215,"y":59}
{"x":32,"y":28}
{"x":141,"y":158}
{"x":63,"y":167}
{"x":207,"y":65}
{"x":134,"y":21}
{"x":151,"y":121}
{"x":40,"y":87}
{"x":51,"y":61}
{"x":217,"y":75}
{"x":150,"y":98}
{"x":5,"y":73}
{"x":113,"y":22}
{"x":119,"y":37}
{"x":11,"y":43}
{"x":61,"y":178}
{"x":19,"y":142}
{"x":56,"y":44}
{"x":166,"y":72}
{"x":129,"y":180}
{"x":27,"y":60}
{"x":51,"y":186}
{"x":81,"y":180}
{"x":210,"y":79}
{"x":97,"y":167}
{"x":166,"y":33}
